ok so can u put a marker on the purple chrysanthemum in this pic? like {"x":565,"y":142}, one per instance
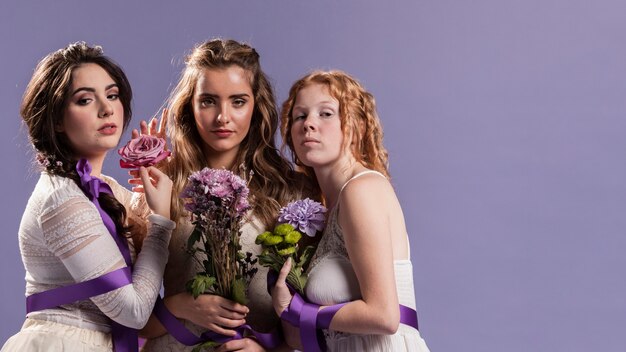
{"x":305,"y":215}
{"x":210,"y":186}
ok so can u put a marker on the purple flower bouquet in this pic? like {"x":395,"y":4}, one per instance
{"x":297,"y":218}
{"x":218,"y":200}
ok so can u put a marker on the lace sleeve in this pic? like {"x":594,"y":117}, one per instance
{"x":138,"y":213}
{"x":75,"y":233}
{"x":136,"y":216}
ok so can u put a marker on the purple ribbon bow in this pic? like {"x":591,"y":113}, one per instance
{"x":92,"y":187}
{"x":124,"y":338}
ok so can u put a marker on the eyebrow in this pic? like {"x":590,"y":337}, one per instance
{"x":325,"y":102}
{"x":89,"y":89}
{"x":242,"y":95}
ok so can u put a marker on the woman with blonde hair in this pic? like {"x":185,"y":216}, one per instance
{"x":330,"y":125}
{"x":222,"y":114}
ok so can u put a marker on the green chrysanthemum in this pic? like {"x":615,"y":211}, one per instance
{"x":287,"y":251}
{"x":261,"y":238}
{"x":272,"y":240}
{"x":283,"y":229}
{"x":293,"y":237}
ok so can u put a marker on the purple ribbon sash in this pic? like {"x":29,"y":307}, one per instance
{"x":92,"y":187}
{"x":310,"y":319}
{"x":79,"y":291}
{"x":124,"y":338}
{"x":178,"y":330}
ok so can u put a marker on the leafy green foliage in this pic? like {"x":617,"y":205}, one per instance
{"x":205,"y":346}
{"x":200,"y":284}
{"x":239,"y":291}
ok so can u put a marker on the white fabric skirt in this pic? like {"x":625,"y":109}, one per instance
{"x":40,"y":335}
{"x":406,"y":339}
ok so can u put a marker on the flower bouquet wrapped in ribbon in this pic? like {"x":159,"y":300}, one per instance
{"x":145,"y":151}
{"x":298,"y":218}
{"x":218,"y":200}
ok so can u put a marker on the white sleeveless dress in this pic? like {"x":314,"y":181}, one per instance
{"x":332,"y":280}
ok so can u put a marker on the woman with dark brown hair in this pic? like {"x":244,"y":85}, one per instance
{"x":81,"y":293}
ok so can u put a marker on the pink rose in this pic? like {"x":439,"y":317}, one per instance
{"x":143,"y":151}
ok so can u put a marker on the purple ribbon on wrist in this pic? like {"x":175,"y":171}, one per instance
{"x":308,"y":328}
{"x":180,"y":332}
{"x":292,"y":313}
{"x":310,"y":319}
{"x":124,"y":338}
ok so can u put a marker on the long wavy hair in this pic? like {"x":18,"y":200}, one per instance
{"x":43,"y":106}
{"x":359,"y":120}
{"x":274,"y":181}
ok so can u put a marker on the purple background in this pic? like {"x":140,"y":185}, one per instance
{"x":505,"y":121}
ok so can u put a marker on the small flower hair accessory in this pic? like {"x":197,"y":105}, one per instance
{"x":43,"y":160}
{"x":142,"y":151}
{"x":48,"y":160}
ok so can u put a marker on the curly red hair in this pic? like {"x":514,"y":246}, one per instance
{"x":359,"y":120}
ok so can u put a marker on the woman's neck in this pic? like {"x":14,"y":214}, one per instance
{"x":96,"y":163}
{"x":221,"y":160}
{"x":333,"y":177}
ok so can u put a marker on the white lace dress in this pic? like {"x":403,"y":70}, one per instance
{"x":63,"y":241}
{"x":332,"y":280}
{"x":181,"y":267}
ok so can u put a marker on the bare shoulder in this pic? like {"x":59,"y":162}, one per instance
{"x":369,"y":198}
{"x":366,"y":187}
{"x":370,"y":214}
